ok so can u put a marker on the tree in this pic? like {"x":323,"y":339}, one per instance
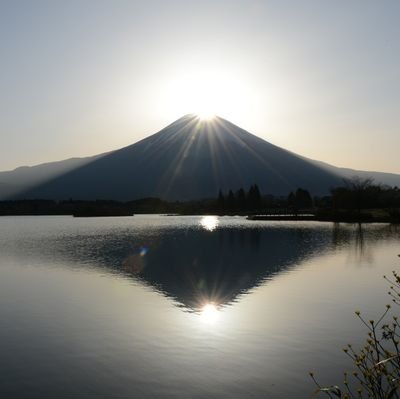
{"x":230,"y":202}
{"x":221,"y":201}
{"x":257,"y":196}
{"x":303,"y":199}
{"x":359,"y":188}
{"x":241,"y":199}
{"x":254,"y":197}
{"x":291,"y":200}
{"x":357,"y":193}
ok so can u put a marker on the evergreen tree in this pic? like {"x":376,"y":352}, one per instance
{"x":221,"y":201}
{"x":231,"y":201}
{"x":291,"y":201}
{"x":257,"y":197}
{"x":241,"y":200}
{"x":303,"y":199}
{"x":251,"y":198}
{"x":254,"y":198}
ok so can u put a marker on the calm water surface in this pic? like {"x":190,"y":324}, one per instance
{"x":183,"y":307}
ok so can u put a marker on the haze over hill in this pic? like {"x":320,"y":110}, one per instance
{"x":189,"y":159}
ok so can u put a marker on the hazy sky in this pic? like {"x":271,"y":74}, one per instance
{"x":320,"y":78}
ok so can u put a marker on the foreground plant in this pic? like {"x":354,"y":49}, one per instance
{"x":376,"y":372}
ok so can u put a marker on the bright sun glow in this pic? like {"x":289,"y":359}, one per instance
{"x":206,"y":91}
{"x":202,"y":91}
{"x":209,"y":223}
{"x":206,"y":116}
{"x":209,"y":313}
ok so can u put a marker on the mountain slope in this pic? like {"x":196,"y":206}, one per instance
{"x":189,"y":159}
{"x":27,"y":177}
{"x":389,"y":179}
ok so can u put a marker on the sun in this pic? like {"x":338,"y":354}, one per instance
{"x":205,"y":115}
{"x":203,"y":91}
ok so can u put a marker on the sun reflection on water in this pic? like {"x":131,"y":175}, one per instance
{"x":209,"y":313}
{"x":209,"y":223}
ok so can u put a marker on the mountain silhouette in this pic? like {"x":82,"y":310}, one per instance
{"x":189,"y":159}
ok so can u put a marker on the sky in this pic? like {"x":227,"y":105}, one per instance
{"x":320,"y":78}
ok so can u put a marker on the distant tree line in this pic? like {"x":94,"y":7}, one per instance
{"x":356,"y":200}
{"x":241,"y":201}
{"x":253,"y":201}
{"x":299,"y":199}
{"x":362,"y":199}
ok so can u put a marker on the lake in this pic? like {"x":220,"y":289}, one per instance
{"x":156,"y":306}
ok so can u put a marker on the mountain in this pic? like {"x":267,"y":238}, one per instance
{"x":389,"y":179}
{"x":189,"y":159}
{"x":24,"y":178}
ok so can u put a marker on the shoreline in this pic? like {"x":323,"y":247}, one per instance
{"x":259,"y":217}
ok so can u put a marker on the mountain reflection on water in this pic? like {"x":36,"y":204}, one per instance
{"x":153,"y":306}
{"x":198,"y":266}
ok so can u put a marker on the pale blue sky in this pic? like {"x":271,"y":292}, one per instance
{"x":320,"y":78}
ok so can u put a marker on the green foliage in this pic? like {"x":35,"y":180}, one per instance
{"x":376,"y":372}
